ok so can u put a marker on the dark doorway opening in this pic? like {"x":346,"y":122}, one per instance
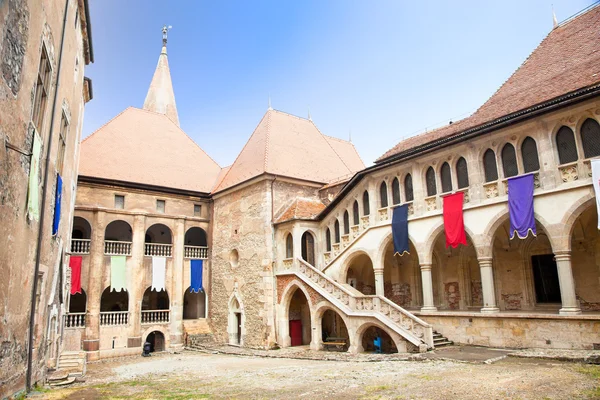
{"x":157,"y":341}
{"x":238,"y":322}
{"x":545,"y":276}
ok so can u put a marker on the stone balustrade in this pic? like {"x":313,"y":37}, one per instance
{"x":155,"y":316}
{"x":74,"y":320}
{"x":80,"y":246}
{"x":196,"y":252}
{"x":158,"y":250}
{"x":113,"y":318}
{"x":117,"y":248}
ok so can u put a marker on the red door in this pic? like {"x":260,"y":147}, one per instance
{"x":296,"y":332}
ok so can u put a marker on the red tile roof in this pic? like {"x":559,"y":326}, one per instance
{"x":301,"y":208}
{"x":568,"y":59}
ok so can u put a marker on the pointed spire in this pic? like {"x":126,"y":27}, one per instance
{"x":160,"y":97}
{"x":554,"y":20}
{"x":270,"y":108}
{"x":350,"y":135}
{"x":309,"y":117}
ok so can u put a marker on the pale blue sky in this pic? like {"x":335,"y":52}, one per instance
{"x":383,"y":70}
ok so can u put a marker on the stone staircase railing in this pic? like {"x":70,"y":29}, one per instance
{"x":407,"y":325}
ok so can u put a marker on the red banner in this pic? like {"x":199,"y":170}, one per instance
{"x":75,"y":265}
{"x":453,"y":220}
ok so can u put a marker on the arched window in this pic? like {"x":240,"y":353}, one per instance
{"x":383,"y":195}
{"x":328,"y":239}
{"x":336,"y":229}
{"x":446,"y":178}
{"x":355,"y":215}
{"x":590,"y":138}
{"x":346,"y":223}
{"x":430,"y":181}
{"x":366,"y":207}
{"x":489,"y":166}
{"x":462,"y":173}
{"x":289,"y":246}
{"x":395,"y":191}
{"x":529,"y":154}
{"x":308,"y":248}
{"x":408,"y":188}
{"x":565,"y":144}
{"x":509,"y":161}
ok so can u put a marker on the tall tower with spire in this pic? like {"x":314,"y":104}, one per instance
{"x":160,"y":97}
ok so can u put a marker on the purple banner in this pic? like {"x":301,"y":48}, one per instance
{"x":520,"y":206}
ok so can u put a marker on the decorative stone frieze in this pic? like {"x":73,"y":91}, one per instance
{"x":568,"y":172}
{"x":491,"y":190}
{"x":345,"y":240}
{"x":411,"y":209}
{"x":354,"y":231}
{"x":364,"y":221}
{"x":383,"y":214}
{"x":336,"y":249}
{"x":287,"y":263}
{"x":431,"y":203}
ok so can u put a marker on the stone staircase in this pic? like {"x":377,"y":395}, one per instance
{"x":440,"y":340}
{"x":411,"y":328}
{"x":200,"y":341}
{"x":196,"y":326}
{"x":71,"y":365}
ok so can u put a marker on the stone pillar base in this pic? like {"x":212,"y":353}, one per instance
{"x":489,"y":310}
{"x":570,"y":311}
{"x":429,"y":309}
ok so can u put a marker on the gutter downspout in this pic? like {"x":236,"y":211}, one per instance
{"x":38,"y":250}
{"x":274,"y":264}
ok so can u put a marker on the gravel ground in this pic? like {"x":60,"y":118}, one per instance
{"x":192,"y":375}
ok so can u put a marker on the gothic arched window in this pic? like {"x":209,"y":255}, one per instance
{"x":509,"y":161}
{"x":395,"y":191}
{"x":430,"y":181}
{"x":336,"y":229}
{"x":489,"y":166}
{"x":565,"y":144}
{"x":408,"y":188}
{"x":446,"y":178}
{"x":346,"y":223}
{"x":590,"y":138}
{"x":328,"y":239}
{"x":462,"y":173}
{"x":366,"y":206}
{"x":383,"y":195}
{"x":289,"y":246}
{"x":308,"y":248}
{"x":529,"y":154}
{"x":355,"y":215}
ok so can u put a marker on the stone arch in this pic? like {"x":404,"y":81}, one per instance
{"x":305,"y":250}
{"x":194,"y":304}
{"x":82,"y":229}
{"x":401,"y":274}
{"x":345,"y":264}
{"x":159,"y":233}
{"x":319,"y":314}
{"x":157,"y":328}
{"x":236,"y":320}
{"x":118,"y":230}
{"x":570,"y":217}
{"x":399,"y":343}
{"x":382,"y":246}
{"x":554,"y":133}
{"x":196,"y":236}
{"x":285,"y":303}
{"x":432,"y":237}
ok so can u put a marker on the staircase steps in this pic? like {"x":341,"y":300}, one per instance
{"x":72,"y":363}
{"x":200,"y":341}
{"x":440,"y":340}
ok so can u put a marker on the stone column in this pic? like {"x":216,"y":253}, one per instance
{"x":136,"y":280}
{"x":176,"y":296}
{"x":379,"y":282}
{"x":297,"y":242}
{"x":567,"y":284}
{"x":427,"y":288}
{"x":487,"y":286}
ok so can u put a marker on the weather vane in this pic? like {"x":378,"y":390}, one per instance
{"x":165,"y":30}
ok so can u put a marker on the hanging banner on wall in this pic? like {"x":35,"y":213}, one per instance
{"x":400,"y":229}
{"x":57,"y":201}
{"x":596,"y":182}
{"x":196,"y":276}
{"x":454,"y":225}
{"x":520,"y":206}
{"x":33,"y":192}
{"x":159,"y":267}
{"x":75,"y":265}
{"x":118,"y":273}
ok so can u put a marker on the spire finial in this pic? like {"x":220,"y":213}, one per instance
{"x":309,"y":117}
{"x":165,"y":31}
{"x":350,"y":135}
{"x":270,"y":108}
{"x":554,"y":20}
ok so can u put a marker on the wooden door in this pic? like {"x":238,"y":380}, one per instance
{"x":296,"y":332}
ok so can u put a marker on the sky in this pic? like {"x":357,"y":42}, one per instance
{"x":377,"y":71}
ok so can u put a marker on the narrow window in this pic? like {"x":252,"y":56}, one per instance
{"x":462,"y":173}
{"x":197,"y":210}
{"x":529,"y":153}
{"x":355,"y":214}
{"x":383,"y":195}
{"x":590,"y":138}
{"x":119,"y":201}
{"x":337,"y":231}
{"x":62,"y":143}
{"x":308,"y":248}
{"x":160,"y":206}
{"x":565,"y":144}
{"x":289,"y":246}
{"x":509,"y":161}
{"x":408,"y":188}
{"x":430,"y":181}
{"x":42,"y":89}
{"x":489,"y":166}
{"x":328,"y":239}
{"x":366,"y":206}
{"x":346,"y":223}
{"x":396,"y":191}
{"x":446,"y":178}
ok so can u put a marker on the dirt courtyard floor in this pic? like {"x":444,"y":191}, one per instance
{"x":193,"y":375}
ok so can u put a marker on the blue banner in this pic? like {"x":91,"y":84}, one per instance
{"x":57,"y":204}
{"x":196,"y":278}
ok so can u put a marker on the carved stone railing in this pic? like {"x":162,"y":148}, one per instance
{"x":383,"y":214}
{"x":327,"y":257}
{"x":417,"y":329}
{"x":74,"y":320}
{"x":117,"y":248}
{"x":155,"y":316}
{"x":158,"y":249}
{"x":569,"y":172}
{"x":288,"y":263}
{"x":335,"y":248}
{"x":431,"y":203}
{"x":80,"y":246}
{"x":491,"y":189}
{"x":113,"y":318}
{"x":364,"y":222}
{"x":195,"y":252}
{"x":345,"y":240}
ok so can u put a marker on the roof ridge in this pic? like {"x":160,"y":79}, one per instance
{"x":267,"y":141}
{"x":291,"y":115}
{"x":106,"y":123}
{"x":329,"y":144}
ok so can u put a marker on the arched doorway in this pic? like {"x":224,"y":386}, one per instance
{"x":194,"y":304}
{"x":156,"y":340}
{"x":299,"y":319}
{"x":155,"y":306}
{"x":308,"y":248}
{"x":118,"y":231}
{"x":114,"y":301}
{"x":236,"y":322}
{"x":360,"y":274}
{"x":78,"y":302}
{"x":195,"y":237}
{"x":402,"y":277}
{"x":375,"y":339}
{"x":81,"y":229}
{"x":585,"y":259}
{"x":158,"y":233}
{"x":333,"y":329}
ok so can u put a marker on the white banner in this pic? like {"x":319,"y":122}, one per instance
{"x":159,"y":266}
{"x":596,"y":182}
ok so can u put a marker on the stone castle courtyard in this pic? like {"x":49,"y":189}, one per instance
{"x":455,"y":372}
